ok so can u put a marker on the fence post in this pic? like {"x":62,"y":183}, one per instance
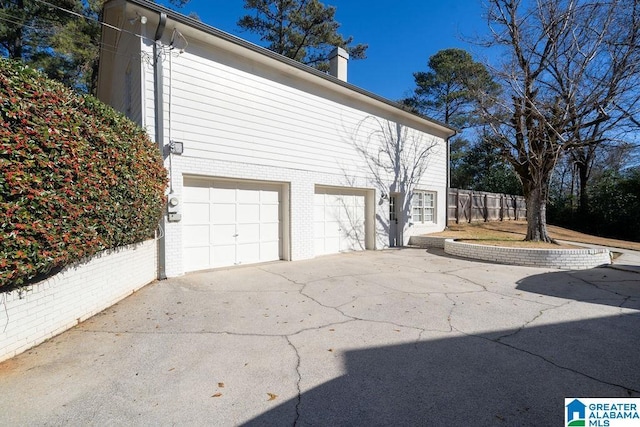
{"x":485,"y":211}
{"x":457,"y":206}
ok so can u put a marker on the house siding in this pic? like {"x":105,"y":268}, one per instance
{"x":224,"y":108}
{"x":121,"y":81}
{"x":239,"y":119}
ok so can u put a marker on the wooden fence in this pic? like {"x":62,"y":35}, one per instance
{"x":470,"y":206}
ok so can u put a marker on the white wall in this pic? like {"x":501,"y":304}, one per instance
{"x":249,"y":117}
{"x":225,"y":107}
{"x":33,"y":314}
{"x":120,"y":76}
{"x":241,"y":120}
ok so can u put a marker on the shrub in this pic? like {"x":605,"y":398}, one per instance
{"x":76,"y":177}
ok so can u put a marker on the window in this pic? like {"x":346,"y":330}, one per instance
{"x":424,"y":207}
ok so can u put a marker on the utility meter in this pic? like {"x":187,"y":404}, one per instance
{"x":173,"y":208}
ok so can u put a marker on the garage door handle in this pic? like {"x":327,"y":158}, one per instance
{"x":236,"y":235}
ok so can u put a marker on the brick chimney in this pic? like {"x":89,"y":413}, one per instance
{"x":338,"y":59}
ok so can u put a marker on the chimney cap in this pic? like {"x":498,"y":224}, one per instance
{"x":338,"y":51}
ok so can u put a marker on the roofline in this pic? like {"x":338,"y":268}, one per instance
{"x":199,"y":25}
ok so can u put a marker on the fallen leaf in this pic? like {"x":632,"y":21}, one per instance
{"x":221,"y":385}
{"x":171,"y":369}
{"x":332,"y":330}
{"x":330,"y":349}
{"x":217,"y":395}
{"x":272,"y":396}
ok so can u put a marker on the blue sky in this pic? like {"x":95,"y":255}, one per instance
{"x":400,"y":38}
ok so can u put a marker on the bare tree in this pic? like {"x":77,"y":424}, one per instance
{"x":571,"y":79}
{"x":397,"y":157}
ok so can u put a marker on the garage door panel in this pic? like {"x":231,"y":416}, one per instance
{"x":270,"y":251}
{"x":223,"y":195}
{"x":243,"y":221}
{"x":223,"y":234}
{"x":198,"y":213}
{"x":222,"y":214}
{"x":247,"y":214}
{"x":222,"y":256}
{"x":272,"y":197}
{"x":269,"y":232}
{"x":269,"y":213}
{"x":249,"y":196}
{"x":248,"y":233}
{"x":197,"y":235}
{"x":196,"y":192}
{"x":331,"y":245}
{"x":197,"y":258}
{"x":248,"y":253}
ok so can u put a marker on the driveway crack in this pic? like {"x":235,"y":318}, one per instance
{"x":629,"y":390}
{"x":298,"y":381}
{"x":527,"y":323}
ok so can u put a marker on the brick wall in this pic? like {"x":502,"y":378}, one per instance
{"x":33,"y":314}
{"x":570,"y":259}
{"x":427,"y":241}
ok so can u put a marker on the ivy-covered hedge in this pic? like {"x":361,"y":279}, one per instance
{"x":76,"y":177}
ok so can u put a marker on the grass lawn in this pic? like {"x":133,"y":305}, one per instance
{"x":512,"y":233}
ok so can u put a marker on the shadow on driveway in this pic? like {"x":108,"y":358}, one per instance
{"x":519,"y":379}
{"x":606,"y":286}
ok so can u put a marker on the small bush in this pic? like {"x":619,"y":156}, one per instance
{"x":76,"y":177}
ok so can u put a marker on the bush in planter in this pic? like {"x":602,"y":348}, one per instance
{"x":76,"y":177}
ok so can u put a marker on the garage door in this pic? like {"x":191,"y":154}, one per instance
{"x":339,"y":221}
{"x":229,"y":223}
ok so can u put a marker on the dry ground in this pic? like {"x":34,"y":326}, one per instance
{"x":512,"y":233}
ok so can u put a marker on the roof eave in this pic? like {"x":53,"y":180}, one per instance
{"x":310,"y":71}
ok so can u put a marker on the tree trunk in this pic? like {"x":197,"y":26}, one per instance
{"x":583,"y":201}
{"x":536,"y":200}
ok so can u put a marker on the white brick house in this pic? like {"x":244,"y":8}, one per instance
{"x":279,"y":161}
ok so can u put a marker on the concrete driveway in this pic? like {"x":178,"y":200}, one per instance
{"x":397,"y":337}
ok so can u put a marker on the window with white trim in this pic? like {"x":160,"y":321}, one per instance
{"x":424,"y":207}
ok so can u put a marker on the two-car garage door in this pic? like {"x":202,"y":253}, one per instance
{"x":227,"y":223}
{"x":230,"y":223}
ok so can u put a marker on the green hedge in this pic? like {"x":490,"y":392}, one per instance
{"x":76,"y":177}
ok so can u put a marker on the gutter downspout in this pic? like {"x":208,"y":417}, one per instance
{"x":159,"y":130}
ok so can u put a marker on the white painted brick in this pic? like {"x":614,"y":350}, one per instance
{"x":554,"y":258}
{"x":48,"y":308}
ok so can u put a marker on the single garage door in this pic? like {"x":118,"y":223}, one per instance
{"x":339,"y":220}
{"x":230,"y":223}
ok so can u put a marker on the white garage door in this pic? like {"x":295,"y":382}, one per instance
{"x":339,"y":221}
{"x":227,"y":223}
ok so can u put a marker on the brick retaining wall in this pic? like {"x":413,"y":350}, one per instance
{"x":33,"y":314}
{"x":569,"y":259}
{"x":427,"y":241}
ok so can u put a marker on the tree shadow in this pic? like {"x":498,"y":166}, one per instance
{"x":520,"y":378}
{"x":602,"y":285}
